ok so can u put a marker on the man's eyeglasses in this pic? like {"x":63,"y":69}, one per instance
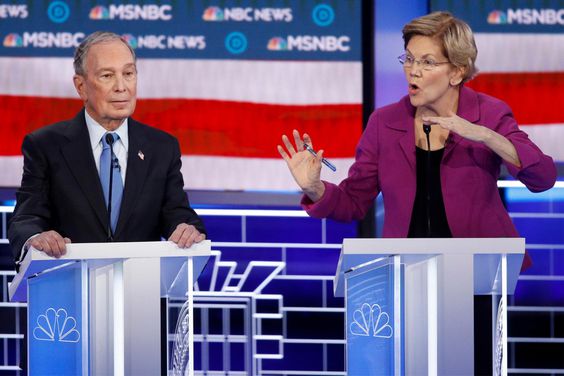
{"x":426,"y":64}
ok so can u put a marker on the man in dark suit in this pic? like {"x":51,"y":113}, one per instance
{"x":64,"y":194}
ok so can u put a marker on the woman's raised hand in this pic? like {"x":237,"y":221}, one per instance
{"x":305,"y":167}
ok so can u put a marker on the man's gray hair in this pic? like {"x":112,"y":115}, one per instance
{"x":95,"y":38}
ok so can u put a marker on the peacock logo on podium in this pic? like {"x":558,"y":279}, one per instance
{"x":56,"y":326}
{"x":371,"y":320}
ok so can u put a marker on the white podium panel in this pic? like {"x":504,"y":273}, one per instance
{"x":120,"y":285}
{"x":439,"y":281}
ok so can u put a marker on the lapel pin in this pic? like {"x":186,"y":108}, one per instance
{"x":141,"y":155}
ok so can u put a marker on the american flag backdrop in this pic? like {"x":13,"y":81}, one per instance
{"x":301,"y":69}
{"x":296,"y":66}
{"x":228,"y":115}
{"x":521,"y":61}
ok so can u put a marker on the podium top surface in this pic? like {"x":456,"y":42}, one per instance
{"x":355,"y":252}
{"x":422,"y":246}
{"x":100,"y":254}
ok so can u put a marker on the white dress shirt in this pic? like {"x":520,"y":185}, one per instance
{"x":96,"y":131}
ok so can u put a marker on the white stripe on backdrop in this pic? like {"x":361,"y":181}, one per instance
{"x":278,"y":82}
{"x":548,"y":138}
{"x":499,"y":53}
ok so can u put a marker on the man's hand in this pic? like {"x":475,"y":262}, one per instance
{"x":49,"y":242}
{"x":185,"y":235}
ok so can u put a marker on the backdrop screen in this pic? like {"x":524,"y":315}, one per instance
{"x":521,"y":61}
{"x":227,"y":78}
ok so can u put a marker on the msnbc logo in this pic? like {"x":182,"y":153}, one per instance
{"x":130,"y":39}
{"x":277,"y":44}
{"x":528,"y":16}
{"x":497,"y":17}
{"x":310,"y":43}
{"x":213,"y":14}
{"x":132,"y":12}
{"x":13,"y":40}
{"x":99,"y":12}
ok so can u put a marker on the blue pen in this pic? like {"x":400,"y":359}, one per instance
{"x":325,"y":161}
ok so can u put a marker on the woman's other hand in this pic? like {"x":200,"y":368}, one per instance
{"x":497,"y":143}
{"x":460,"y":126}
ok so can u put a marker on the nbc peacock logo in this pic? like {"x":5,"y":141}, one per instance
{"x":497,"y":17}
{"x":277,"y":44}
{"x":56,"y":326}
{"x":371,"y":320}
{"x":99,"y":12}
{"x":213,"y":14}
{"x":130,"y":39}
{"x":13,"y":40}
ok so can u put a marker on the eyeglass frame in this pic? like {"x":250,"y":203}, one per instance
{"x":428,"y":67}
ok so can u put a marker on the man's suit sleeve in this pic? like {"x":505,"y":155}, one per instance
{"x":176,"y":207}
{"x":32,"y":213}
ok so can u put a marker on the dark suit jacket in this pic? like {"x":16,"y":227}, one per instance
{"x":61,"y":188}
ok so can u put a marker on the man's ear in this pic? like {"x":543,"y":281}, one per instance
{"x":80,"y":86}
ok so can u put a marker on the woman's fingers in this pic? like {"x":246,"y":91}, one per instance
{"x":283,"y":153}
{"x":443,"y":122}
{"x":307,"y":140}
{"x":288,"y":145}
{"x":298,"y":140}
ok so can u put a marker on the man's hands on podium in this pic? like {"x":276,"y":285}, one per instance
{"x":49,"y":242}
{"x":54,"y":245}
{"x":185,"y":235}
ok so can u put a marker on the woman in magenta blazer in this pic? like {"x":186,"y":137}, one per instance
{"x":443,"y":185}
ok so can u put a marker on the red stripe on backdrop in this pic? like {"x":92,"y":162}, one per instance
{"x":203,"y":127}
{"x":535,"y":98}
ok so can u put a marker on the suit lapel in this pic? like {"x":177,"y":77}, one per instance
{"x":404,"y":123}
{"x":138,"y":160}
{"x":468,"y":109}
{"x":79,"y":158}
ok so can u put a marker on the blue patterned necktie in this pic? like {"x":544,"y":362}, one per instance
{"x":117,"y":183}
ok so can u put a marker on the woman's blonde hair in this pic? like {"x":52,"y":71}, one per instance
{"x":454,"y":36}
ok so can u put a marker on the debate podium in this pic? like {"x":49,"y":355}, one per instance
{"x":410,"y":302}
{"x":96,"y":310}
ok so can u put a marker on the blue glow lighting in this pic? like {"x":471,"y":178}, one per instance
{"x":523,"y":194}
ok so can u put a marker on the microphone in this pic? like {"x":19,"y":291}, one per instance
{"x":427,"y":130}
{"x":110,"y":141}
